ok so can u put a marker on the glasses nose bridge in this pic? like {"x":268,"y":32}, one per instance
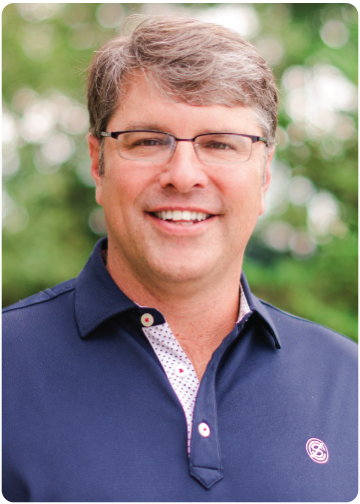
{"x":177,"y":140}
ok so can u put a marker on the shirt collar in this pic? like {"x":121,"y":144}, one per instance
{"x":257,"y":306}
{"x":98,"y":298}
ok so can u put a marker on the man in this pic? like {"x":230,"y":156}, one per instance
{"x":156,"y":375}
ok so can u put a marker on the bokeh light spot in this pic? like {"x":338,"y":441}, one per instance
{"x":323,"y":211}
{"x":38,"y":121}
{"x":110,"y":15}
{"x":83,"y":170}
{"x":10,"y":161}
{"x":58,"y":148}
{"x":334,"y":33}
{"x":271,"y":50}
{"x":241,"y":18}
{"x":277,"y":235}
{"x":9,"y":130}
{"x":302,"y":245}
{"x":37,"y":40}
{"x":14,"y":217}
{"x":82,"y":37}
{"x":35,"y":12}
{"x":301,"y":189}
{"x":97,"y":221}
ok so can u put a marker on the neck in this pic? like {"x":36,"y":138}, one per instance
{"x":200,"y":314}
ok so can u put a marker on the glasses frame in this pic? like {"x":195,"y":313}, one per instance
{"x":115,"y":134}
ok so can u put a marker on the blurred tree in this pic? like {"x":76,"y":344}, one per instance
{"x":303,"y":255}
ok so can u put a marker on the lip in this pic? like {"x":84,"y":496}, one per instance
{"x":178,"y":230}
{"x":182,"y":209}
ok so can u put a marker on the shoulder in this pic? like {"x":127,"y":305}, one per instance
{"x":37,"y":328}
{"x":306,"y":336}
{"x":42,"y":297}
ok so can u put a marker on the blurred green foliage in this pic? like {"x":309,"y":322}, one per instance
{"x":50,"y":218}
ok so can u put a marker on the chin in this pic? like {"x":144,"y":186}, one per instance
{"x":181,"y":271}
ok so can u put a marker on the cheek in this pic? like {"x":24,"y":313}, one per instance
{"x":122,"y":192}
{"x":245,"y":209}
{"x":242,"y":192}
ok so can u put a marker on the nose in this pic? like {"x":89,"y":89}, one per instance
{"x":184,"y":171}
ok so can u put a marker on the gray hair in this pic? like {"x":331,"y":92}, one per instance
{"x":188,"y":61}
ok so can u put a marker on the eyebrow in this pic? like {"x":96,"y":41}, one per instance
{"x":162,"y":128}
{"x":145,"y":126}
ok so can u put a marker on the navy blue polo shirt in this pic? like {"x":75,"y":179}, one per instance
{"x":89,"y":414}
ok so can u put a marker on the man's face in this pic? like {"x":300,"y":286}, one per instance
{"x":133,"y":193}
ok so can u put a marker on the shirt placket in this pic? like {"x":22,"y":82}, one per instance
{"x":197,"y":400}
{"x":178,"y":369}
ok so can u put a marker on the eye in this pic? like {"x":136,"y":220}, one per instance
{"x":149,"y":142}
{"x":144,"y":141}
{"x":217,"y":145}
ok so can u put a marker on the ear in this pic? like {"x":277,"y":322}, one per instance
{"x":266,"y":179}
{"x":94,"y":149}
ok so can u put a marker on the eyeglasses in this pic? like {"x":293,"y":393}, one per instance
{"x":148,"y":145}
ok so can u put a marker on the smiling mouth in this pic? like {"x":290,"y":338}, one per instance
{"x":182,"y":217}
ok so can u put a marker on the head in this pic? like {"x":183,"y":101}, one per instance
{"x":186,"y":78}
{"x":188,"y":61}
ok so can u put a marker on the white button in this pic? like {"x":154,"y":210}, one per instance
{"x":147,"y":319}
{"x":204,"y":429}
{"x":181,"y":371}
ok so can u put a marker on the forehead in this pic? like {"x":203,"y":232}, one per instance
{"x":143,"y":107}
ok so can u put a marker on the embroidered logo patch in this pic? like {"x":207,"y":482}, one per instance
{"x":317,"y":450}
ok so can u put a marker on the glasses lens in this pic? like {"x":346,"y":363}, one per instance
{"x":145,"y":146}
{"x":223,"y":148}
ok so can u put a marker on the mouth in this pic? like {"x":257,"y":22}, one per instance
{"x":182,"y":217}
{"x":179,"y":223}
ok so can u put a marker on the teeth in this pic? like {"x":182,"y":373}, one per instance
{"x":186,"y":215}
{"x":177,"y":215}
{"x":182,"y":215}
